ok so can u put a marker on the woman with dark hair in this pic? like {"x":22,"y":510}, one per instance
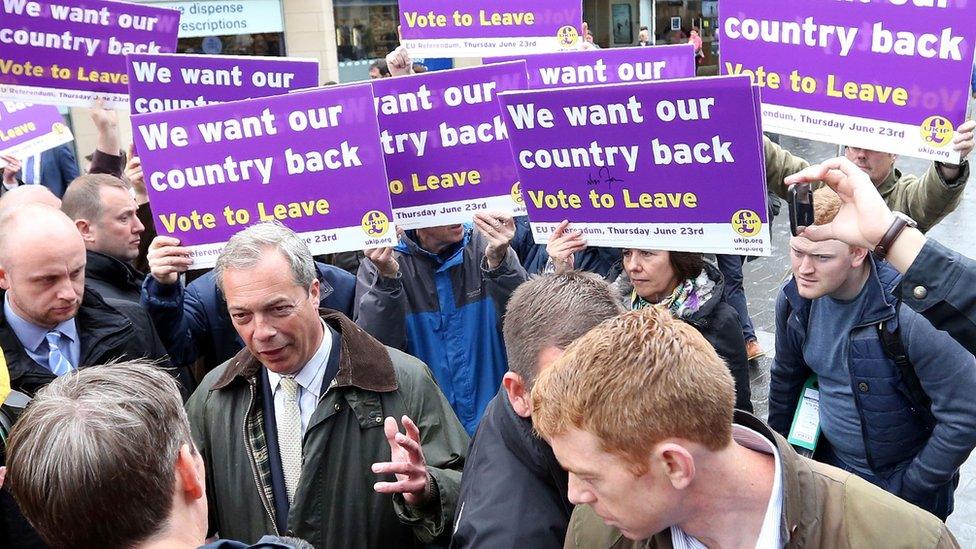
{"x":692,"y":290}
{"x":683,"y":283}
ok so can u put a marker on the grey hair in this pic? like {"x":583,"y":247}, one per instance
{"x":246,"y":248}
{"x":554,"y":310}
{"x":92,"y":458}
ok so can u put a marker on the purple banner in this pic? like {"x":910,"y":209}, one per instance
{"x":166,"y":82}
{"x":888,"y":76}
{"x":26,"y":130}
{"x":673,"y":165}
{"x":311,"y":160}
{"x":613,"y":66}
{"x":71,"y":52}
{"x":445,"y":144}
{"x":458,"y":28}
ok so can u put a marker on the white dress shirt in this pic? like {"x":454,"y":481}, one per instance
{"x":310,"y":381}
{"x":769,"y":535}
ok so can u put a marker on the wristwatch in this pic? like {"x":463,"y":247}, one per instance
{"x":897,"y":226}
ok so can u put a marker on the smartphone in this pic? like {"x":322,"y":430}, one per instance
{"x":801,"y":207}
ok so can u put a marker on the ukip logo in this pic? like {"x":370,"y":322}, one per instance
{"x":375,"y":223}
{"x":568,"y":36}
{"x":937,"y":131}
{"x":746,"y":222}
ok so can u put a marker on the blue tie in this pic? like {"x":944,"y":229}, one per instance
{"x":56,"y":361}
{"x":29,"y":174}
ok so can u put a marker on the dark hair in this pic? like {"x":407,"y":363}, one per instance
{"x":686,"y":264}
{"x":380,"y":65}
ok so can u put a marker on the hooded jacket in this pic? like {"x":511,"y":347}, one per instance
{"x":441,"y":308}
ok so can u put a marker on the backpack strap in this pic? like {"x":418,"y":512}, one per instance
{"x":895,"y":350}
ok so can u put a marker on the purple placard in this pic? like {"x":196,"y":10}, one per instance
{"x":71,"y":52}
{"x":165,"y":82}
{"x":459,"y":28}
{"x":310,"y":159}
{"x":852,"y":72}
{"x":446,"y":147}
{"x":612,"y":66}
{"x":26,"y":130}
{"x":674,"y":165}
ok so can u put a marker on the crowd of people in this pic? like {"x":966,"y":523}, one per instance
{"x":469,"y":388}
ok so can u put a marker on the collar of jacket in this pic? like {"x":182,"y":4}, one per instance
{"x":888,"y":185}
{"x":881,"y":303}
{"x":800,"y":497}
{"x":109,"y":269}
{"x":363,"y":361}
{"x":96,"y":321}
{"x":519,"y":437}
{"x":409,"y":244}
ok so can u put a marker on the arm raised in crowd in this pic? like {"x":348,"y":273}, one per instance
{"x":501,"y":268}
{"x":382,"y":303}
{"x":106,"y":158}
{"x":179,"y":318}
{"x":939,"y":283}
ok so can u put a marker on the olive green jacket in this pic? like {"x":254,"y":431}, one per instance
{"x":927,"y":200}
{"x":335,"y":504}
{"x":823,"y":507}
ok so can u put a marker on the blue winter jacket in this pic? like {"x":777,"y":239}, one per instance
{"x":914,"y":461}
{"x":194,"y":322}
{"x":442,"y":310}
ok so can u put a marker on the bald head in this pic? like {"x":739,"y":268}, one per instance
{"x":29,"y":194}
{"x":32,"y":224}
{"x":42,"y":263}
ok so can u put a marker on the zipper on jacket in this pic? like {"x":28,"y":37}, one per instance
{"x":254,"y":465}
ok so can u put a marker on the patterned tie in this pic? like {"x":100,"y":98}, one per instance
{"x":290,"y":435}
{"x":56,"y":361}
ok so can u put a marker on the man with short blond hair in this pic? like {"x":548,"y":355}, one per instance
{"x":896,"y":402}
{"x":640,"y":412}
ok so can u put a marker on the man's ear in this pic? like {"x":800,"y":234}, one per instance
{"x":858,"y":256}
{"x":4,"y":278}
{"x":518,"y":394}
{"x":85,"y":228}
{"x":190,"y":480}
{"x":314,"y":290}
{"x":676,"y":463}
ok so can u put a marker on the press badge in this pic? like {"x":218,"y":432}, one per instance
{"x":805,"y":430}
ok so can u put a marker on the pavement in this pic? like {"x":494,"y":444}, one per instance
{"x":764,"y":276}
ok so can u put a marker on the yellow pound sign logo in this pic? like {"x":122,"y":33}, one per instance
{"x":746,"y":222}
{"x":517,"y":193}
{"x":568,"y":36}
{"x":937,"y":131}
{"x":375,"y":223}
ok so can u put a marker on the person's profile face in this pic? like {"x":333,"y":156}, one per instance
{"x":637,"y":506}
{"x":116,"y":233}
